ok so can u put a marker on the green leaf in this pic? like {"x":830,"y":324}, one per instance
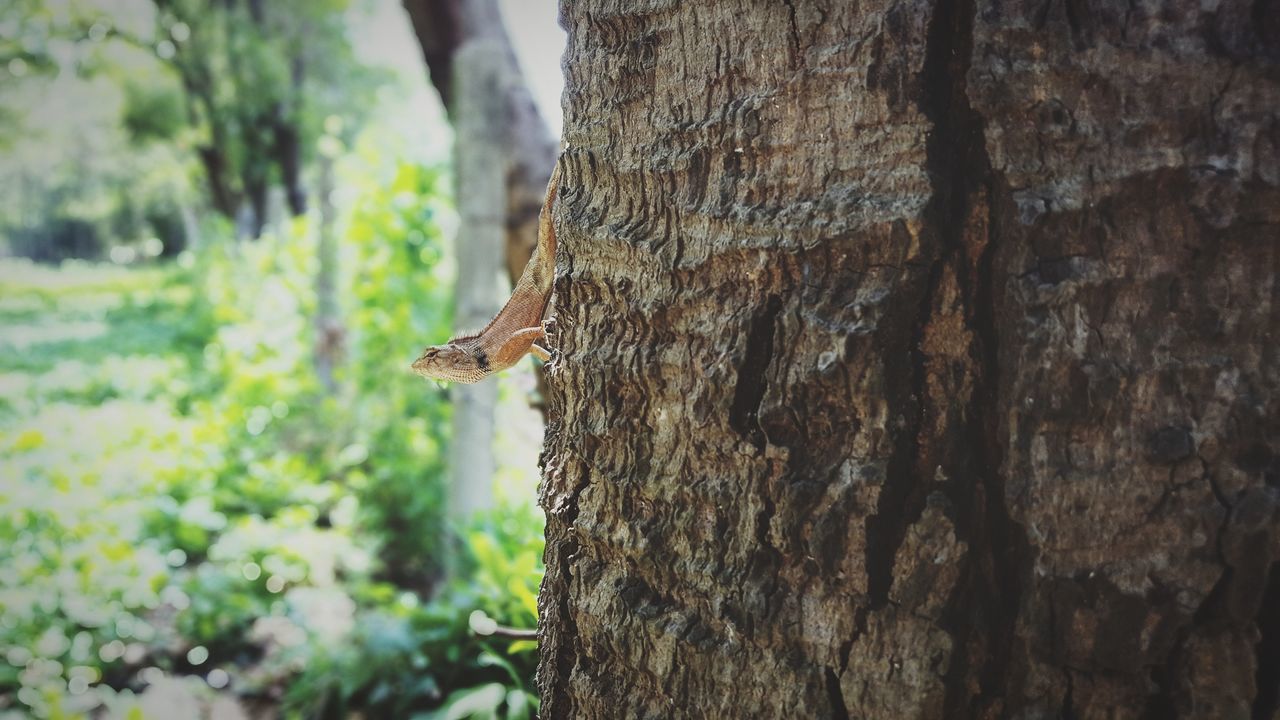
{"x":521,"y":646}
{"x":480,"y":702}
{"x":28,"y":440}
{"x":519,"y":703}
{"x":488,"y":659}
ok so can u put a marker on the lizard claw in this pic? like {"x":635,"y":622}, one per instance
{"x":549,"y":326}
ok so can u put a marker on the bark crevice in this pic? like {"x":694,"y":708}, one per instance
{"x":839,"y":710}
{"x":962,"y":215}
{"x":749,"y":390}
{"x":795,"y":31}
{"x":900,"y":500}
{"x":566,"y":640}
{"x":1267,"y":702}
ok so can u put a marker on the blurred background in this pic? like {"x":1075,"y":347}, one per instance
{"x":226,"y":229}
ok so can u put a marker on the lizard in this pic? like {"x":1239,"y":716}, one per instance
{"x":517,"y":329}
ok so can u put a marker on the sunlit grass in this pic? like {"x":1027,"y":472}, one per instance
{"x":22,"y":337}
{"x":83,"y":322}
{"x":72,"y":277}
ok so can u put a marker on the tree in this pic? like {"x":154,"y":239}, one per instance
{"x":444,"y":29}
{"x":504,"y":155}
{"x":23,"y":52}
{"x":918,"y":361}
{"x":256,"y":82}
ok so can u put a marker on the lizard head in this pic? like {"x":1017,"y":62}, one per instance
{"x":448,"y":362}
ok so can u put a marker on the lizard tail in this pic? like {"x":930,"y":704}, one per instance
{"x":547,"y":227}
{"x":546,"y":249}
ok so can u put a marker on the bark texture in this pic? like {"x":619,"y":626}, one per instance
{"x":918,"y":361}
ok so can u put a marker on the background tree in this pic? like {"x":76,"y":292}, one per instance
{"x":503,"y":153}
{"x":919,"y":362}
{"x":23,"y":53}
{"x":528,"y":149}
{"x":256,"y":81}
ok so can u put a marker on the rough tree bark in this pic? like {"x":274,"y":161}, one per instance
{"x":918,"y":361}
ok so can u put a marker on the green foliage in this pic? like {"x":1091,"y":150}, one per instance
{"x":411,"y":656}
{"x":187,"y":498}
{"x":153,"y":112}
{"x":399,"y":293}
{"x":255,"y":82}
{"x":24,"y":54}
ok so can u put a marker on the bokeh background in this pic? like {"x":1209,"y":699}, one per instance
{"x":225,"y":232}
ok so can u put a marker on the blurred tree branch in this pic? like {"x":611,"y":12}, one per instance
{"x":444,"y":26}
{"x":257,"y":82}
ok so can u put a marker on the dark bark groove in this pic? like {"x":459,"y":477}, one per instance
{"x":750,"y":388}
{"x":986,"y":600}
{"x":1267,"y":704}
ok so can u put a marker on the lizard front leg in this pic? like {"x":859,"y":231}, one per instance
{"x":539,"y":348}
{"x":517,"y":344}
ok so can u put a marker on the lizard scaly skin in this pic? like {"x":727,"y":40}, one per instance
{"x":516,"y":329}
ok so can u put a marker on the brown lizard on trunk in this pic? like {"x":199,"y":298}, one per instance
{"x":516,"y":329}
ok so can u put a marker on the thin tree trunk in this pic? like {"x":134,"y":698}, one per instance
{"x":504,"y":155}
{"x":191,"y":236}
{"x":918,"y":361}
{"x":479,"y":126}
{"x":287,"y":141}
{"x":330,"y":333}
{"x":223,"y":199}
{"x":529,"y":150}
{"x":255,"y":209}
{"x":199,"y":104}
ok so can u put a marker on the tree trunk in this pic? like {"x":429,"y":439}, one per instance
{"x":256,"y":188}
{"x":527,"y":148}
{"x":504,"y":155}
{"x":918,"y":361}
{"x":287,"y":140}
{"x":479,"y":126}
{"x":330,"y":333}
